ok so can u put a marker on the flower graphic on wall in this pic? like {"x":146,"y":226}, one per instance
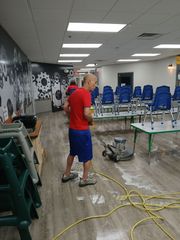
{"x":43,"y":84}
{"x":3,"y":66}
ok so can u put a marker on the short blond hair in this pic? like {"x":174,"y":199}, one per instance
{"x":87,"y":77}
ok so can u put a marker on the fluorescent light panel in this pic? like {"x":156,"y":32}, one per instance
{"x":128,"y":60}
{"x":81,"y":45}
{"x":145,"y":54}
{"x":85,"y":69}
{"x":74,"y":55}
{"x":65,"y":61}
{"x":95,"y":27}
{"x":90,"y":65}
{"x":176,"y":46}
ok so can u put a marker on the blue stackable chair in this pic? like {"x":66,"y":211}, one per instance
{"x":108,"y":98}
{"x":107,"y":87}
{"x":176,"y":95}
{"x":147,"y":94}
{"x":163,"y":88}
{"x":137,"y":92}
{"x":136,"y":99}
{"x":117,"y":91}
{"x":96,"y":92}
{"x":107,"y":91}
{"x":124,"y":97}
{"x":94,"y":95}
{"x":161,"y":103}
{"x":126,"y":88}
{"x":108,"y":95}
{"x":176,"y":98}
{"x":93,"y":98}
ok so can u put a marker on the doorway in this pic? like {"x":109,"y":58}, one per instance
{"x":126,"y":79}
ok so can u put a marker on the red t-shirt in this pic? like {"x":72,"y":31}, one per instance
{"x":78,"y":100}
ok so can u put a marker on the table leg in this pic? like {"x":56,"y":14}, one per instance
{"x":132,"y":119}
{"x":150,"y":143}
{"x":135,"y":137}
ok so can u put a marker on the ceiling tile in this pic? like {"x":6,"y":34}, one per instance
{"x":51,"y":4}
{"x":87,"y":16}
{"x":93,"y":5}
{"x":166,"y":7}
{"x":39,"y":27}
{"x":130,"y":6}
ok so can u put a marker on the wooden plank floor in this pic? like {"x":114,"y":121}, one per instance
{"x":64,"y":203}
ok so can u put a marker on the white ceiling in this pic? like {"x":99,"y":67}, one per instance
{"x":39,"y":27}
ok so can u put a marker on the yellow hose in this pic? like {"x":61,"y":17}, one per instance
{"x":149,"y":208}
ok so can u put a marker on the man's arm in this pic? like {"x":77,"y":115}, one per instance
{"x":88,"y":115}
{"x":67,"y":107}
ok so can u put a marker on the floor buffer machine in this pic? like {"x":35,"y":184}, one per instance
{"x":118,"y":150}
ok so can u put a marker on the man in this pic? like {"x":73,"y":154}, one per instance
{"x":78,"y":107}
{"x":71,"y":88}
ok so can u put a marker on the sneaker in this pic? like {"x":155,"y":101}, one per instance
{"x":72,"y":176}
{"x":90,"y":181}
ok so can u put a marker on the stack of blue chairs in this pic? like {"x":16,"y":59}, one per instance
{"x":176,"y":95}
{"x":161,"y":103}
{"x":117,"y":91}
{"x":94,"y":95}
{"x":123,"y":90}
{"x":162,"y":88}
{"x":108,"y":95}
{"x":137,"y":92}
{"x":96,"y":91}
{"x":176,"y":98}
{"x":147,"y":94}
{"x":136,"y":98}
{"x":107,"y":99}
{"x":125,"y":95}
{"x":106,"y":88}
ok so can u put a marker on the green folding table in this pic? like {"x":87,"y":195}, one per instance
{"x":159,"y":128}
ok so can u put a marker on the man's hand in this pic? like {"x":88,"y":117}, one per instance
{"x":88,"y":115}
{"x":66,"y":107}
{"x":91,"y":123}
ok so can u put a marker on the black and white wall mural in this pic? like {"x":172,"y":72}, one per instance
{"x":15,"y":79}
{"x":51,"y":81}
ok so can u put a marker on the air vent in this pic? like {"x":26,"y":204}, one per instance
{"x":99,"y":60}
{"x":149,"y":36}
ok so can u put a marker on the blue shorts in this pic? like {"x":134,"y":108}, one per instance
{"x":81,"y":144}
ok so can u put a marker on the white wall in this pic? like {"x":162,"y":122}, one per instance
{"x":155,"y":73}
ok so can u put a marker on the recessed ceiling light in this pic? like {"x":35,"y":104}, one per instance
{"x":95,"y":27}
{"x":91,"y":65}
{"x":65,"y":61}
{"x":145,"y":54}
{"x":128,"y":60}
{"x":82,"y":73}
{"x":168,"y":46}
{"x":81,"y":45}
{"x":85,"y":69}
{"x":74,"y":55}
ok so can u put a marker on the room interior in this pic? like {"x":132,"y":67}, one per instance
{"x":134,"y":198}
